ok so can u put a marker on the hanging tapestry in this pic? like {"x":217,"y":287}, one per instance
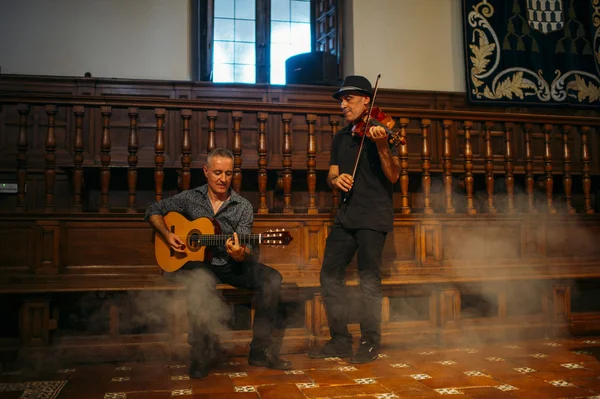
{"x":532,"y":52}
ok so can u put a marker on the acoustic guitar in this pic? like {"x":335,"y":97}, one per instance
{"x":200,"y":235}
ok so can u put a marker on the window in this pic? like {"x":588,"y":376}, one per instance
{"x":248,"y":41}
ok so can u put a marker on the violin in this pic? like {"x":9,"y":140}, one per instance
{"x":378,"y":118}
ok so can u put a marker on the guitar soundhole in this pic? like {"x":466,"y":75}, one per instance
{"x":193,"y":243}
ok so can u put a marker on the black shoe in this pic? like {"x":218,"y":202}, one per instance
{"x":198,"y":370}
{"x":265,"y":358}
{"x":332,"y":349}
{"x":366,"y":353}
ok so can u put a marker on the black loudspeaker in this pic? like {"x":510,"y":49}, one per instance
{"x":316,"y":68}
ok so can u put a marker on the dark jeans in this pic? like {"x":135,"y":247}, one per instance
{"x":208,"y":313}
{"x":341,"y":246}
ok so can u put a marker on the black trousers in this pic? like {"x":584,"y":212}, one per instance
{"x":342,"y":245}
{"x":208,"y":313}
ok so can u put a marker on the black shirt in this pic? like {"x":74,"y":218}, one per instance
{"x":234,"y":215}
{"x":370,"y":203}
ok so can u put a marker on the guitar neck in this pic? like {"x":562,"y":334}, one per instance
{"x":212,"y":240}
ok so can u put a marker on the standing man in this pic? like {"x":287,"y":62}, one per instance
{"x":363,"y":220}
{"x":231,"y":264}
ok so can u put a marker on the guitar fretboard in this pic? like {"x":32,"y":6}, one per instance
{"x":211,"y":240}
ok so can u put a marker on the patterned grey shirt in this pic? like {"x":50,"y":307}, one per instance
{"x":234,"y":215}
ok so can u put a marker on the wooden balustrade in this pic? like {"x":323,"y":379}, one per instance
{"x":480,"y":154}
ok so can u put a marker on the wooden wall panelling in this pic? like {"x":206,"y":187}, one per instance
{"x":561,"y":309}
{"x":430,"y":243}
{"x":34,"y":321}
{"x":18,"y":249}
{"x":47,"y":247}
{"x":401,"y":253}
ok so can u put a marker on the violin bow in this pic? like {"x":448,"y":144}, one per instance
{"x":362,"y":141}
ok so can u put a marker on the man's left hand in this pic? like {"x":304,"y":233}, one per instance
{"x":234,"y":249}
{"x":377,"y":134}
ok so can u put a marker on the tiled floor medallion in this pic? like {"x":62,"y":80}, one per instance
{"x":582,"y":352}
{"x":591,"y":341}
{"x":237,"y":375}
{"x":552,"y":344}
{"x":539,"y":355}
{"x":65,"y":371}
{"x":560,"y":383}
{"x":181,"y":392}
{"x":572,"y":366}
{"x":474,"y":374}
{"x":420,"y":376}
{"x":495,"y":359}
{"x":35,"y":389}
{"x":122,"y":368}
{"x":387,"y":396}
{"x":400,"y":365}
{"x":332,"y":359}
{"x":294,"y":372}
{"x":247,"y":388}
{"x":182,"y":377}
{"x":447,"y":362}
{"x":471,"y":350}
{"x":427,"y":353}
{"x":232,"y":363}
{"x":448,"y":391}
{"x":177,"y":366}
{"x":511,"y":347}
{"x":16,"y":372}
{"x":304,"y":385}
{"x":524,"y":370}
{"x":120,"y":379}
{"x":115,"y":395}
{"x":347,"y":368}
{"x":365,"y":381}
{"x":506,"y":388}
{"x":382,"y":356}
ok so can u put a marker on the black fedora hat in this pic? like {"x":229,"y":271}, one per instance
{"x":355,"y":84}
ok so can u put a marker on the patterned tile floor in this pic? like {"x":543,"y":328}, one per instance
{"x":561,"y":368}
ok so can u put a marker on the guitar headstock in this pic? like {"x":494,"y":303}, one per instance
{"x":276,"y":238}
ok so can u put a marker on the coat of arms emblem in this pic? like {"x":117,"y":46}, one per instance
{"x":545,"y":16}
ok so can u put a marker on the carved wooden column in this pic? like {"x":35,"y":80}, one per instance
{"x":468,"y":125}
{"x":132,"y":159}
{"x":403,"y":154}
{"x":548,"y":167}
{"x":211,"y":143}
{"x":567,"y":180}
{"x":426,"y":166}
{"x":509,"y":168}
{"x":287,"y":163}
{"x":78,"y":110}
{"x":311,"y":164}
{"x":488,"y":156}
{"x":529,"y":181}
{"x":186,"y":149}
{"x":262,"y":162}
{"x":447,"y":165}
{"x":22,"y":145}
{"x":335,"y":192}
{"x":159,"y":151}
{"x":50,"y":170}
{"x":237,"y":151}
{"x":586,"y":180}
{"x":105,"y":146}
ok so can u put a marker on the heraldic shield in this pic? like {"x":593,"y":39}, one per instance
{"x":545,"y":16}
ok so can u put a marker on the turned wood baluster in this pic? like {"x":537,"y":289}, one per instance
{"x":334,"y":122}
{"x":488,"y":156}
{"x":237,"y":151}
{"x":403,"y":154}
{"x":159,"y":151}
{"x":262,"y":162}
{"x":311,"y":164}
{"x":186,"y":149}
{"x":50,"y":170}
{"x":586,"y":180}
{"x":212,"y":141}
{"x":509,"y":168}
{"x":468,"y":125}
{"x":529,"y":180}
{"x":426,"y":166}
{"x":78,"y":110}
{"x":548,"y":167}
{"x":22,"y":145}
{"x":105,"y":158}
{"x":447,"y":165}
{"x":132,"y":159}
{"x":567,"y":180}
{"x":287,"y":163}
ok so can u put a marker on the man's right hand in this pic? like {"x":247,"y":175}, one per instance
{"x":343,"y":182}
{"x":175,"y":242}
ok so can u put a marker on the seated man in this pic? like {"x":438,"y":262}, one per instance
{"x":231,"y":264}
